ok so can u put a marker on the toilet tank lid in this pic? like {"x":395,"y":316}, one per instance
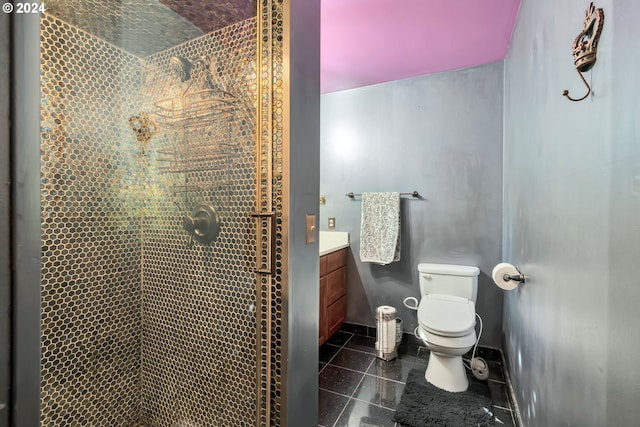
{"x":450,"y":269}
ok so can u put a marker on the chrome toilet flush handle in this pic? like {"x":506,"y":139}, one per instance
{"x":415,"y":303}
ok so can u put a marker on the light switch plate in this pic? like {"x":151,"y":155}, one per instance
{"x":311,"y":228}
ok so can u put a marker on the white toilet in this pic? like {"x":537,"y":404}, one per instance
{"x":446,"y":321}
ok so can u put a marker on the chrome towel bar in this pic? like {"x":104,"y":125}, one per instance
{"x":413,"y":194}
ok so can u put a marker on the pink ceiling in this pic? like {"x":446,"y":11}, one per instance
{"x":366,"y":42}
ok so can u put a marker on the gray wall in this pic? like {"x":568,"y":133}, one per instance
{"x":442,"y":136}
{"x":303,"y":182}
{"x":571,"y":196}
{"x":25,"y":224}
{"x":5,"y":245}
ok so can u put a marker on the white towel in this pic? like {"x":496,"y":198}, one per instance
{"x":380,"y":228}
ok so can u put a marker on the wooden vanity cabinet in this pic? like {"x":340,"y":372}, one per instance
{"x":333,"y":293}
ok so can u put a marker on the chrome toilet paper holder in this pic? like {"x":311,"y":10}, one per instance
{"x":514,"y":277}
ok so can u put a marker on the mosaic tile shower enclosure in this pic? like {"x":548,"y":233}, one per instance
{"x":199,"y":320}
{"x":91,"y":235}
{"x":142,"y":325}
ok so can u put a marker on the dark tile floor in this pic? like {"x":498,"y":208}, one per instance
{"x":358,"y":389}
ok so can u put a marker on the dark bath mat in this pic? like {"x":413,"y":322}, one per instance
{"x":425,"y":405}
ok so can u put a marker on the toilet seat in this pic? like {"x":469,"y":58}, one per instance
{"x":438,"y":342}
{"x":447,"y":315}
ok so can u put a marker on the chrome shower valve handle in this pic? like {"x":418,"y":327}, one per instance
{"x":203,"y":224}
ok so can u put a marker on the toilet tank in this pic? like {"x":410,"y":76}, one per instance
{"x":449,"y":279}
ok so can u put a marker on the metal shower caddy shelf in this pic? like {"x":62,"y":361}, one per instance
{"x":191,"y":114}
{"x":195,"y":108}
{"x":180,"y":161}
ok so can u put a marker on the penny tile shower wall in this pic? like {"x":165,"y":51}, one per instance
{"x":91,"y":237}
{"x":139,"y":323}
{"x":199,"y":301}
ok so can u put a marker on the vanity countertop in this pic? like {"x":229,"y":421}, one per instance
{"x":331,"y":241}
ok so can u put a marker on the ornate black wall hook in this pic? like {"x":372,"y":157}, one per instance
{"x":585,"y":45}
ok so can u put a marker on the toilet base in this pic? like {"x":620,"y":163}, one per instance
{"x":446,"y":373}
